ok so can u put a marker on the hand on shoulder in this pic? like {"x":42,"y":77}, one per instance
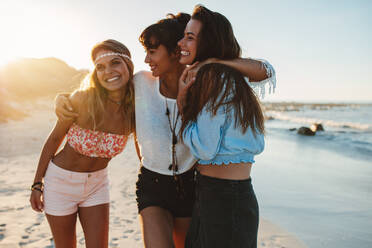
{"x":64,"y":108}
{"x":77,"y":99}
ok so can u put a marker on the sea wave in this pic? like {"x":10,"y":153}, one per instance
{"x":297,"y":106}
{"x":275,"y":115}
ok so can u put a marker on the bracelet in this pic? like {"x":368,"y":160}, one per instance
{"x":37,"y":189}
{"x":36,"y":184}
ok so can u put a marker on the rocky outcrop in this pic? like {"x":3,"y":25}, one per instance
{"x":317,"y":127}
{"x":309,"y":131}
{"x":305,"y":131}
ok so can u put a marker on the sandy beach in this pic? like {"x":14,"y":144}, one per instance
{"x":20,"y":226}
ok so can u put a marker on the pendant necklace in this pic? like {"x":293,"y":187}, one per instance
{"x":172,"y":126}
{"x":174,"y":165}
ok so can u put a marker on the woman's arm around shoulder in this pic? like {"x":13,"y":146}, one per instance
{"x":78,"y":99}
{"x":257,"y":72}
{"x":63,"y":108}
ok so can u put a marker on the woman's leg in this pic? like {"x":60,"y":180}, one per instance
{"x":63,"y":230}
{"x":181,"y":226}
{"x":95,"y":223}
{"x":157,"y":227}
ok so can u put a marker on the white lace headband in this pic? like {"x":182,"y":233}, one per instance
{"x":111,"y":54}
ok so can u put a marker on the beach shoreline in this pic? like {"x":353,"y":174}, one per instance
{"x":20,"y":226}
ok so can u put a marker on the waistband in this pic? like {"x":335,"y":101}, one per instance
{"x":52,"y":167}
{"x":203,"y":181}
{"x":146,"y":171}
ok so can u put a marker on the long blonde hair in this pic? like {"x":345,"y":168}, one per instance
{"x":97,"y":95}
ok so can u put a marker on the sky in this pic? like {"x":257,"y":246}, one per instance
{"x":321,"y":49}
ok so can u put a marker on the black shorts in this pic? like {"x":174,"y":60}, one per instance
{"x":154,"y":189}
{"x":225,"y":214}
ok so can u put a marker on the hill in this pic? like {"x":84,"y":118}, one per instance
{"x":29,"y":79}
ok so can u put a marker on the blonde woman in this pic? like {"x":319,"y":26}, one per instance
{"x":74,"y":181}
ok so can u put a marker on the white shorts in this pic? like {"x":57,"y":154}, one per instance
{"x":65,"y":191}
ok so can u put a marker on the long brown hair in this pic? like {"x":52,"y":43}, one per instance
{"x":97,"y":94}
{"x":219,"y":85}
{"x":216,"y":37}
{"x":223,"y":86}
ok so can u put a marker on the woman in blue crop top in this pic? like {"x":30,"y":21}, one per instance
{"x":223,"y":125}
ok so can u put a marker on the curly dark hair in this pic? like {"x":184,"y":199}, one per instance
{"x":167,"y":32}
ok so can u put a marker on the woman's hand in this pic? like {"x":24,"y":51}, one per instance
{"x":184,"y":83}
{"x":36,"y":201}
{"x":194,"y":68}
{"x":63,"y":108}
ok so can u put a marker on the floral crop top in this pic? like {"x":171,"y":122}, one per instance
{"x":95,"y":143}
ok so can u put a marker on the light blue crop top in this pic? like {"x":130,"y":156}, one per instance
{"x":215,"y":140}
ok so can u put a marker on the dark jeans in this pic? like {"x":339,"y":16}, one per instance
{"x":225,"y":214}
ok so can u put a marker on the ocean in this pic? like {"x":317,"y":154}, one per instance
{"x":318,"y":187}
{"x":348,"y":127}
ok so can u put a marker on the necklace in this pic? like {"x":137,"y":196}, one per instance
{"x":174,"y":165}
{"x":172,"y":126}
{"x":114,"y":101}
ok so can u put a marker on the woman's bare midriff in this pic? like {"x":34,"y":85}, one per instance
{"x":69,"y":159}
{"x":239,"y":171}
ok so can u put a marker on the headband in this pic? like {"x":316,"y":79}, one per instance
{"x":111,"y":54}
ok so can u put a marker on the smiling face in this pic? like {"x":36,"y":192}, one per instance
{"x":112,"y":71}
{"x":189,"y":43}
{"x":159,"y":60}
